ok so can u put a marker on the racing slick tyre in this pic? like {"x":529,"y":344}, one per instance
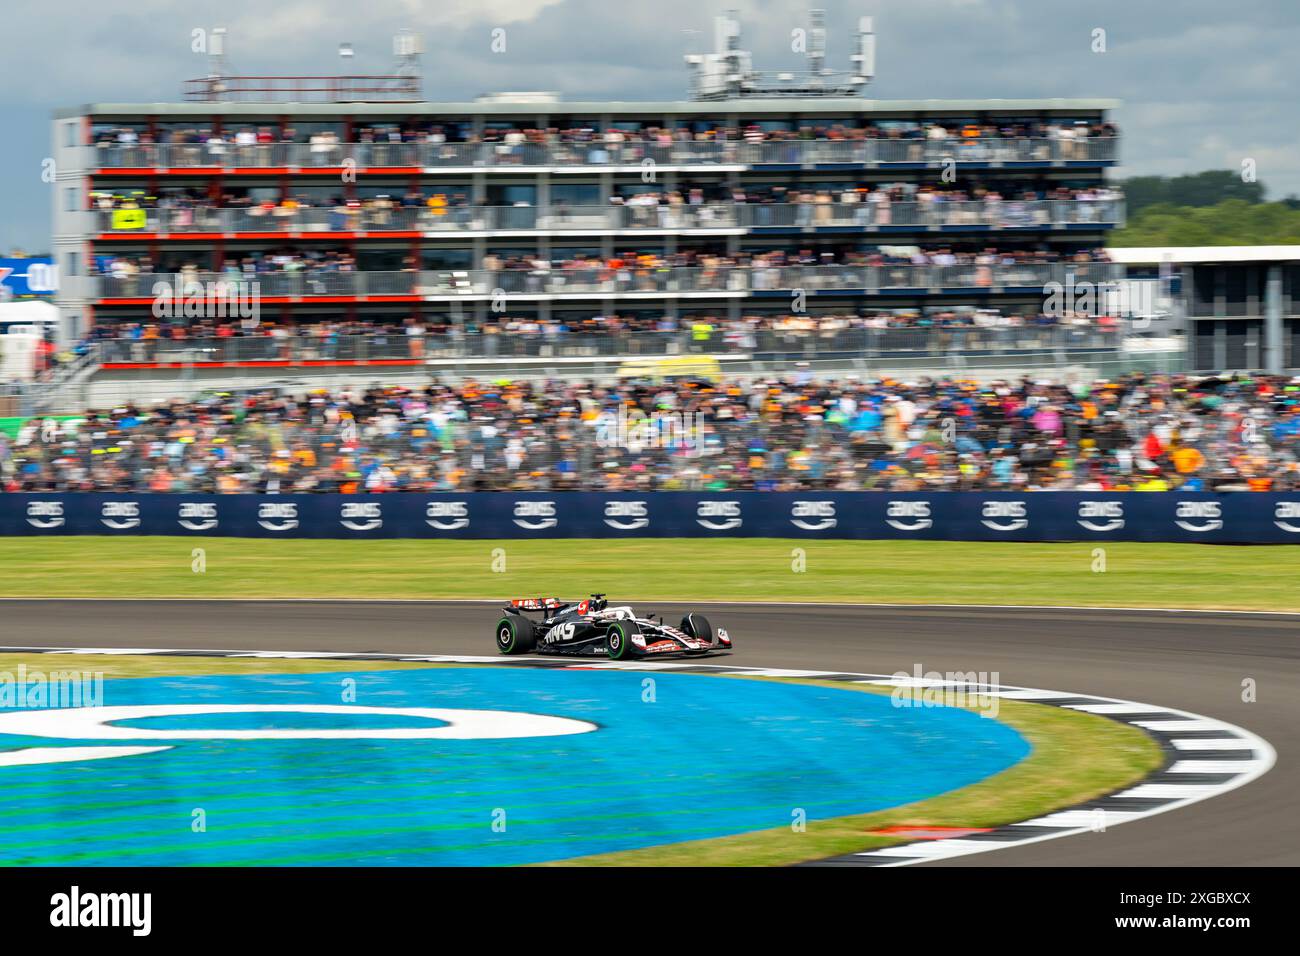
{"x":698,"y":627}
{"x":618,"y":639}
{"x":515,"y":635}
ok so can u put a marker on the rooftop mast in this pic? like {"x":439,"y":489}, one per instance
{"x":727,"y":73}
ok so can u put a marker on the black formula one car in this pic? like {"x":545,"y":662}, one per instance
{"x":593,"y":628}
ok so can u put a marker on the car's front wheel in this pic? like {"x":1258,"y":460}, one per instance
{"x":698,"y":627}
{"x":515,"y":635}
{"x":618,"y":639}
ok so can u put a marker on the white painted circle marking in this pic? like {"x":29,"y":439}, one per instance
{"x":96,"y":723}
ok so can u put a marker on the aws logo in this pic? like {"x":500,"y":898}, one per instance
{"x":45,"y":514}
{"x":1004,"y":516}
{"x":1199,"y":516}
{"x":447,"y":515}
{"x":278,"y":515}
{"x":908,"y":515}
{"x":627,"y":515}
{"x":197,"y":515}
{"x":1285,"y":513}
{"x":1101,"y":515}
{"x":813,"y":515}
{"x":535,"y":515}
{"x":120,"y":515}
{"x":361,"y":515}
{"x":718,"y":515}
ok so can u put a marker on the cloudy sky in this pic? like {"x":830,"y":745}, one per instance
{"x":1205,"y":83}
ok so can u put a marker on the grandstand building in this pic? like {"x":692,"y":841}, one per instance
{"x":442,"y":225}
{"x":1239,"y":305}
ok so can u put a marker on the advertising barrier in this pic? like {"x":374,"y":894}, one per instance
{"x":1230,"y":518}
{"x":20,"y":278}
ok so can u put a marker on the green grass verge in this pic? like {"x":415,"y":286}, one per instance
{"x":1074,"y":757}
{"x":920,"y":572}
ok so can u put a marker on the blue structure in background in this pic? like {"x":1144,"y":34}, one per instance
{"x":34,"y":276}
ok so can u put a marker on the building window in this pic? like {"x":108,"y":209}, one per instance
{"x":1204,"y":357}
{"x":70,"y":199}
{"x":73,"y":263}
{"x":1204,"y":293}
{"x":70,"y":133}
{"x":1242,"y":349}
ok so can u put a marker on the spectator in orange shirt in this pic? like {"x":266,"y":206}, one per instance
{"x":1187,"y":460}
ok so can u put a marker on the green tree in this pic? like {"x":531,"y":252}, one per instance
{"x":1233,"y":222}
{"x":1194,"y":189}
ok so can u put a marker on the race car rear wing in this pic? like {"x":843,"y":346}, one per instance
{"x":536,"y":604}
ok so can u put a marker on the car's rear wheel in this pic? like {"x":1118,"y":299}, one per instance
{"x":515,"y":635}
{"x":698,"y":627}
{"x":618,"y":639}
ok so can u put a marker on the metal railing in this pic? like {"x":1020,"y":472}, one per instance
{"x":766,"y":344}
{"x":296,"y":361}
{"x":304,"y":89}
{"x":16,"y":399}
{"x":827,"y":213}
{"x":255,"y":286}
{"x":49,"y":386}
{"x":226,"y":153}
{"x":603,"y":279}
{"x":935,"y":214}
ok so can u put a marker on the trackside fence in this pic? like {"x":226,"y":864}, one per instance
{"x":1224,"y":518}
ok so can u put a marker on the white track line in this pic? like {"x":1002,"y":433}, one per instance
{"x":1213,"y":766}
{"x":1211,"y":743}
{"x":1108,"y":709}
{"x":1078,"y":820}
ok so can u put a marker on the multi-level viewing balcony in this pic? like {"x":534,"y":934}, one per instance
{"x":664,"y":218}
{"x":222,"y":155}
{"x":601,"y":280}
{"x":394,"y":346}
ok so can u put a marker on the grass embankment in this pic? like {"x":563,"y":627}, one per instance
{"x":1074,"y":757}
{"x":760,"y":569}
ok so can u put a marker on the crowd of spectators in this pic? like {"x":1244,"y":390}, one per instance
{"x":499,"y":144}
{"x":560,"y":327}
{"x":639,"y":333}
{"x":881,"y":204}
{"x":633,"y":269}
{"x":1136,"y":432}
{"x":126,"y":268}
{"x":776,"y":269}
{"x":245,"y":140}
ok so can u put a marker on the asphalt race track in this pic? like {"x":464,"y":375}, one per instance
{"x":1188,"y":661}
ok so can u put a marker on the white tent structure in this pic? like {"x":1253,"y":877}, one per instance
{"x":43,"y":316}
{"x":23,"y":326}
